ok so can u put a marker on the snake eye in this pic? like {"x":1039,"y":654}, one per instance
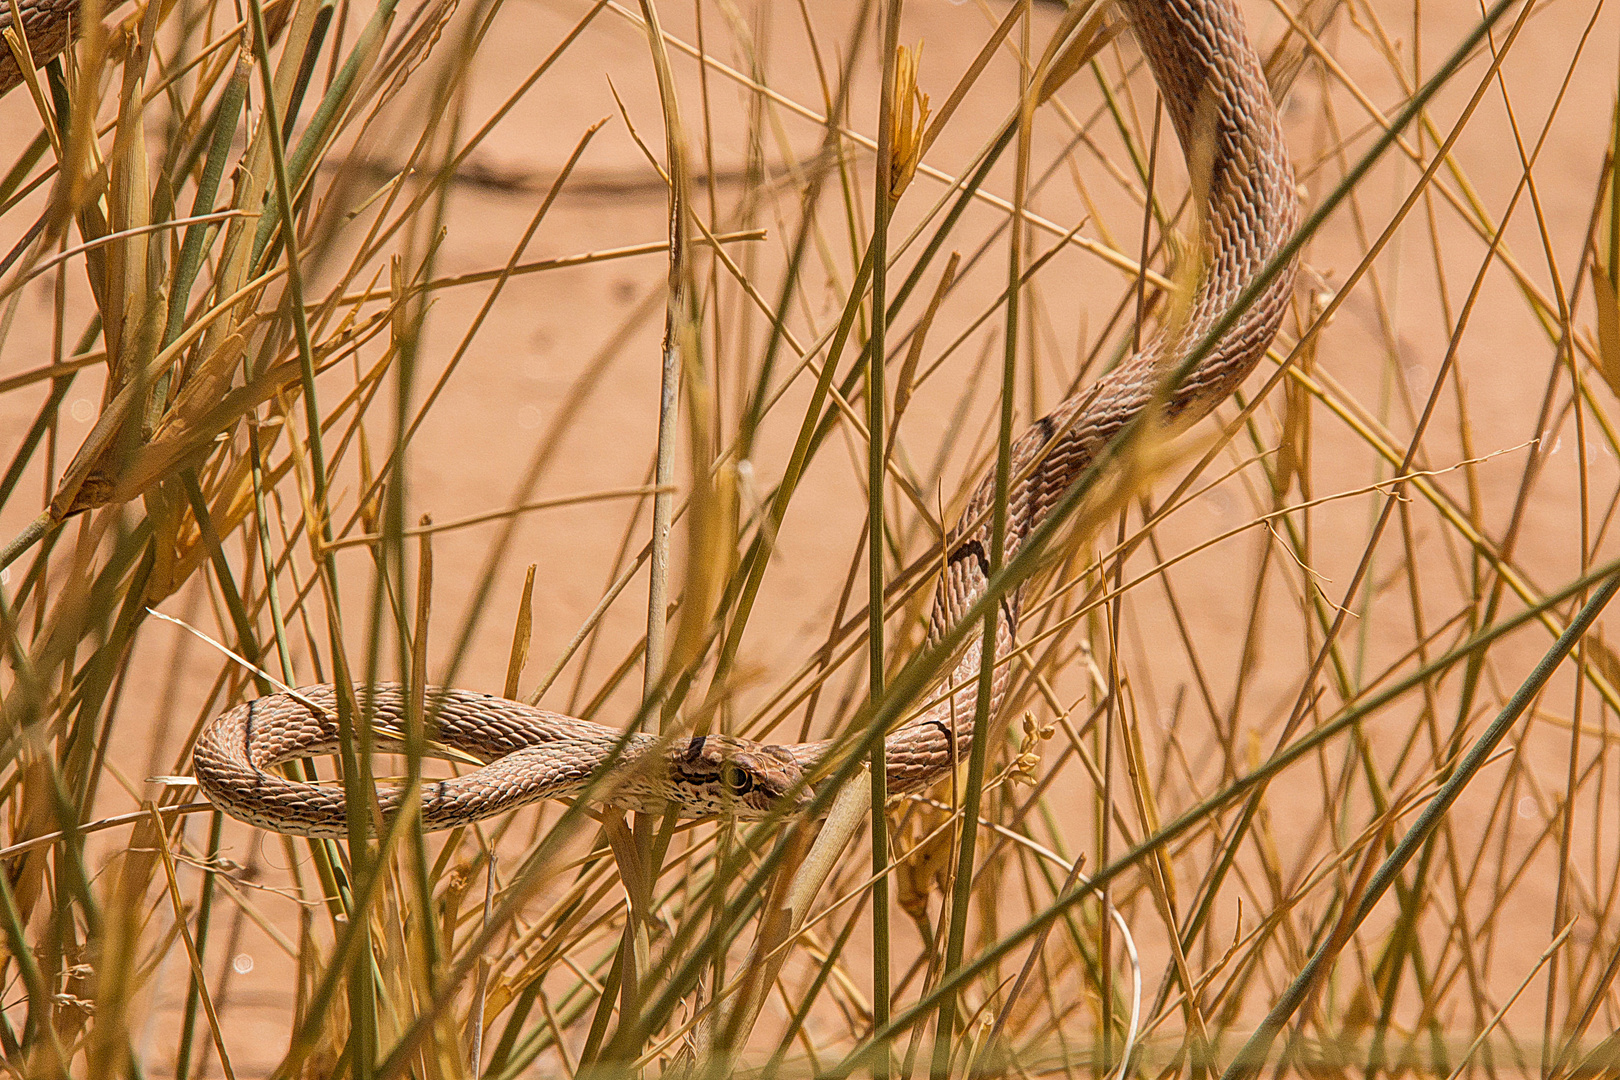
{"x":738,"y":781}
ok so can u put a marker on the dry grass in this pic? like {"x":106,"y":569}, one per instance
{"x":1277,"y":757}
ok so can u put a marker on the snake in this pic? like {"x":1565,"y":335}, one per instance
{"x":1214,"y":90}
{"x":49,"y":27}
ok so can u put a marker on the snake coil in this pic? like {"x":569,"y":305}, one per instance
{"x":1218,"y":101}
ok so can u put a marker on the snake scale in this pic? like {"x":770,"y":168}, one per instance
{"x":1218,"y":101}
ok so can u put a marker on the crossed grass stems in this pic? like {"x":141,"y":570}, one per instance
{"x":393,"y":949}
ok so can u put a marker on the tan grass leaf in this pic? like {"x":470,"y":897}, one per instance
{"x":710,"y":558}
{"x":206,"y":385}
{"x":1608,"y":326}
{"x":923,"y":871}
{"x":1293,"y":453}
{"x":1603,"y":658}
{"x":177,"y":444}
{"x":1098,"y":28}
{"x":371,"y":505}
{"x":164,"y":509}
{"x":33,"y":814}
{"x":908,"y":121}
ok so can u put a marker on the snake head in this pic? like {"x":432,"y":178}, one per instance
{"x":718,"y":774}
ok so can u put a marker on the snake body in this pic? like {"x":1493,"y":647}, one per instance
{"x":48,"y":24}
{"x":1218,"y":101}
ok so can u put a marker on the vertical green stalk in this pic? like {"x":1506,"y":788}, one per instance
{"x":191,"y":249}
{"x":876,"y":424}
{"x":356,"y":767}
{"x":680,"y":319}
{"x":219,"y":148}
{"x":680,"y":335}
{"x":295,"y":302}
{"x":962,"y":886}
{"x":205,"y":905}
{"x":677,"y":318}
